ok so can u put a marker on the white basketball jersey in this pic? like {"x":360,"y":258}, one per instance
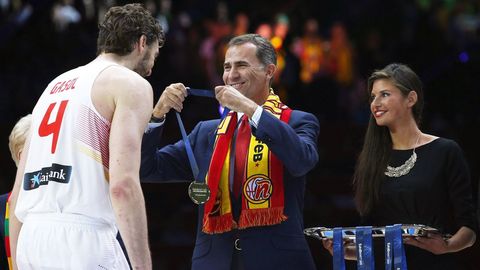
{"x":66,"y":169}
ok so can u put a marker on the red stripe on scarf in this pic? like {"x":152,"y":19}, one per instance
{"x":219,"y":223}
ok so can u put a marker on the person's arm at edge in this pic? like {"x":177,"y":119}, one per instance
{"x":436,"y":244}
{"x":463,"y":238}
{"x":132,"y":112}
{"x":14,"y":224}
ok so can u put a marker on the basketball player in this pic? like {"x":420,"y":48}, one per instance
{"x":78,"y":176}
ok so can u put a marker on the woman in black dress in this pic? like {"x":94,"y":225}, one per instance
{"x":409,"y":177}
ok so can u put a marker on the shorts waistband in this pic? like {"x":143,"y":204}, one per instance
{"x":66,"y":218}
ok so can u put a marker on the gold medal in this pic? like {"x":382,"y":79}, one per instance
{"x":198,"y":192}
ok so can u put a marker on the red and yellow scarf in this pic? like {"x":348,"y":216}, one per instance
{"x":262,"y":193}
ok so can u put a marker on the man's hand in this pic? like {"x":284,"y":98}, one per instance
{"x":231,"y":98}
{"x":172,"y":97}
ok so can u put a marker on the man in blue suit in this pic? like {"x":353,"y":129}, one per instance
{"x":254,"y":162}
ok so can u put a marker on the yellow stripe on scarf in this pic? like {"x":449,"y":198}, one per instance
{"x":223,"y":188}
{"x":257,"y":165}
{"x":225,"y":206}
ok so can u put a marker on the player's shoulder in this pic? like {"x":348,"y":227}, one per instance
{"x":116,"y":83}
{"x":120,"y":77}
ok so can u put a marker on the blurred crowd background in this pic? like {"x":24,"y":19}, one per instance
{"x":326,"y":49}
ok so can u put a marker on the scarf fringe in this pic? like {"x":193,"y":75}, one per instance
{"x":261,"y":217}
{"x":218,"y":224}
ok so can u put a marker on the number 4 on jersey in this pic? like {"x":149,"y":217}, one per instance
{"x":46,"y":128}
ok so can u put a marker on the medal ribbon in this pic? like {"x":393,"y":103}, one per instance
{"x":394,"y":251}
{"x":399,"y":259}
{"x":188,"y":147}
{"x":363,"y":237}
{"x":338,"y":253}
{"x":389,"y":235}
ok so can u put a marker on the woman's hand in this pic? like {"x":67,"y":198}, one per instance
{"x":434,"y":243}
{"x":348,"y":248}
{"x":328,"y":245}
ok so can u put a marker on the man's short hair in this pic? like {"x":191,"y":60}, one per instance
{"x":265,"y":51}
{"x":124,"y":25}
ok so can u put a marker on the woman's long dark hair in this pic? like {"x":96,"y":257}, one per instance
{"x":377,"y":147}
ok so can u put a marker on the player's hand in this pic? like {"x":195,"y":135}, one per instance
{"x":172,"y":97}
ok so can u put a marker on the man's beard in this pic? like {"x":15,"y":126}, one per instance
{"x":141,"y":67}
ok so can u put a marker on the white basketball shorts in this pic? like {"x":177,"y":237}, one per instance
{"x":66,"y":241}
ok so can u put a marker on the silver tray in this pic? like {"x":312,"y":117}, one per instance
{"x":349,"y":232}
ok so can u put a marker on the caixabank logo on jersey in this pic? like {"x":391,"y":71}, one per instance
{"x":56,"y":173}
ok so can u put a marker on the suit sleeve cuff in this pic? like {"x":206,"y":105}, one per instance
{"x":151,"y":126}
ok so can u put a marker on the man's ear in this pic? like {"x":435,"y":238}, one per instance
{"x":141,"y":43}
{"x":271,"y":68}
{"x":412,"y":98}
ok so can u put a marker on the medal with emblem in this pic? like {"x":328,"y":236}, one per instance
{"x":198,"y":192}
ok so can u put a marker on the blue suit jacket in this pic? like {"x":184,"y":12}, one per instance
{"x":281,"y":246}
